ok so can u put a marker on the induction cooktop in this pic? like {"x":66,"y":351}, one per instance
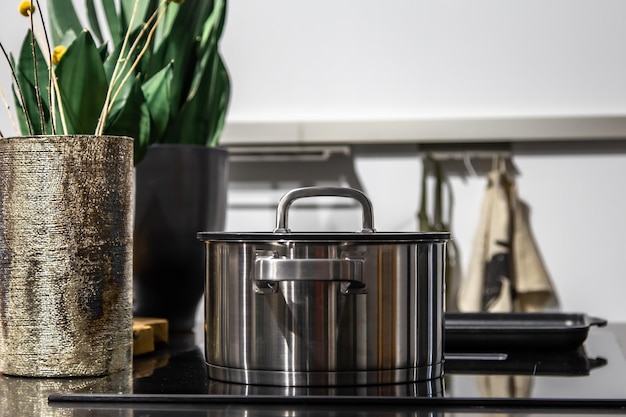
{"x":594,"y":375}
{"x":595,"y":370}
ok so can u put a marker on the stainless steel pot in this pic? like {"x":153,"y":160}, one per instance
{"x":324,"y":309}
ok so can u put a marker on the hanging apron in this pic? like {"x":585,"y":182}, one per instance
{"x":506,"y":271}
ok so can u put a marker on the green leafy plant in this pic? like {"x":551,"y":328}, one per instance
{"x":149,"y":69}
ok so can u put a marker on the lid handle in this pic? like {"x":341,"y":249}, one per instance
{"x":287,"y":199}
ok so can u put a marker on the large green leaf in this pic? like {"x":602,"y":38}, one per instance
{"x":208,"y":47}
{"x":94,"y":23}
{"x":165,"y":26}
{"x":130,"y":117}
{"x":111,"y":60}
{"x":83,"y":84}
{"x":113,"y":20}
{"x":33,"y":98}
{"x":141,"y":8}
{"x":26,"y":63}
{"x":182,"y":46}
{"x":21,"y":115}
{"x":201,"y":119}
{"x":214,"y":24}
{"x":157,"y":93}
{"x":63,"y":17}
{"x":30,"y":96}
{"x":221,"y":99}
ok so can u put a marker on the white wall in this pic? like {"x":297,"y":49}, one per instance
{"x":362,"y":59}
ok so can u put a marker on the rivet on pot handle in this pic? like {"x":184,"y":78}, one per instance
{"x":269,"y":271}
{"x":287,"y":199}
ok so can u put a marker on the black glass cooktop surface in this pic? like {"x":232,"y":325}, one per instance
{"x":591,"y":378}
{"x":597,"y":370}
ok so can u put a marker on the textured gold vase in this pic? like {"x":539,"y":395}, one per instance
{"x":65,"y":255}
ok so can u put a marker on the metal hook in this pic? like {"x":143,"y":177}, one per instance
{"x":467,"y":161}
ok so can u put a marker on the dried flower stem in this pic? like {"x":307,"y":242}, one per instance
{"x":59,"y":100}
{"x":19,"y":90}
{"x":33,"y":44}
{"x":51,"y":75}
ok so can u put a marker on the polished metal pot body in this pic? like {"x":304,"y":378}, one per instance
{"x":313,"y":309}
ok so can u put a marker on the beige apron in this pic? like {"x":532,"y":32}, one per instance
{"x":506,"y":271}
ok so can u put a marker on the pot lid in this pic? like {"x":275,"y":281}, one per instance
{"x":373,"y":237}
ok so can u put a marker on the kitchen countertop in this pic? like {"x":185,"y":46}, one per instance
{"x":180,"y":370}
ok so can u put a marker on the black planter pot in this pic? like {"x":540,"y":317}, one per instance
{"x":180,"y":190}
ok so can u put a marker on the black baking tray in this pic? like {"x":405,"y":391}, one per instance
{"x":491,"y":332}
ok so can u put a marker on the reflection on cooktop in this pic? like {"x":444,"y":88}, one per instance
{"x":596,"y":371}
{"x":555,"y":363}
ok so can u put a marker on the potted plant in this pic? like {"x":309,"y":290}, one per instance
{"x":170,"y":92}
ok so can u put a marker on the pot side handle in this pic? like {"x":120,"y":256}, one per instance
{"x":287,"y":199}
{"x":269,"y":271}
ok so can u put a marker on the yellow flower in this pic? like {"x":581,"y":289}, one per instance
{"x":26,"y":8}
{"x":57,"y":53}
